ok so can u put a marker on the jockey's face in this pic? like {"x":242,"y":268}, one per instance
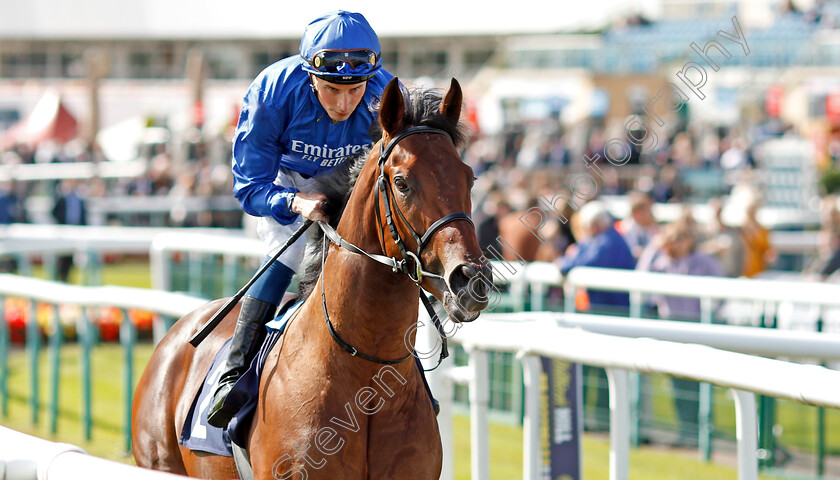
{"x":337,"y":99}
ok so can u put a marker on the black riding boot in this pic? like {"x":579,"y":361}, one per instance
{"x":250,"y":329}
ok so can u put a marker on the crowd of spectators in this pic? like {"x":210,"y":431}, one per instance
{"x":532,"y":166}
{"x":521,"y":168}
{"x":525,"y":171}
{"x":200,"y":170}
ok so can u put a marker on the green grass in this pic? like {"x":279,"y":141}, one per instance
{"x":646,"y":463}
{"x":797,"y":423}
{"x":108,"y":404}
{"x":131,"y":272}
{"x":108,"y":412}
{"x":506,"y":440}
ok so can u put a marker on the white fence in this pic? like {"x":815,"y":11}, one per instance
{"x":196,"y":244}
{"x":27,"y":458}
{"x":754,"y":302}
{"x":98,"y":239}
{"x":540,"y":334}
{"x":29,"y":243}
{"x":529,"y":335}
{"x":761,"y":302}
{"x":789,"y":302}
{"x":76,"y":170}
{"x":169,"y":304}
{"x":28,"y":240}
{"x":703,"y":287}
{"x":24,"y":457}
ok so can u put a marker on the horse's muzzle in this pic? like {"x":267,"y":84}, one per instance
{"x":469,"y":289}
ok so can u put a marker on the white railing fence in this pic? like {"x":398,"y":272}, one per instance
{"x":29,"y":243}
{"x":106,"y":239}
{"x":24,"y":457}
{"x":542,"y":336}
{"x":196,"y":244}
{"x":746,"y":374}
{"x":170,"y":304}
{"x":695,"y":286}
{"x":27,"y":458}
{"x":772,"y":298}
{"x":789,"y":305}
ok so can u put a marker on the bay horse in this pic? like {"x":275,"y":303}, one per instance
{"x":324,"y":412}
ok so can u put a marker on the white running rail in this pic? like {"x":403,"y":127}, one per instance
{"x":543,"y":335}
{"x":23,"y":457}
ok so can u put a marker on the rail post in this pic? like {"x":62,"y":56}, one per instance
{"x":820,"y":418}
{"x":746,"y":432}
{"x":86,"y":333}
{"x":531,"y":424}
{"x":620,"y":425}
{"x":230,"y":271}
{"x":127,"y":337}
{"x":195,"y":267}
{"x":55,"y":363}
{"x":33,"y":345}
{"x":705,"y":427}
{"x":479,"y":406}
{"x":767,"y":405}
{"x":637,"y":383}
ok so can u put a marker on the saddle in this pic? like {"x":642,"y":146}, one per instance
{"x":196,"y":433}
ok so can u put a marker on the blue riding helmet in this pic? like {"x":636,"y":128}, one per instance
{"x":341,"y":47}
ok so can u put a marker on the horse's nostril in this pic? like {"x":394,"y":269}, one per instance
{"x":469,"y":271}
{"x":470,"y":287}
{"x":470,"y":280}
{"x":460,"y":277}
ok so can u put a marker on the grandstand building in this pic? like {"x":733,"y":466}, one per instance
{"x":156,"y":59}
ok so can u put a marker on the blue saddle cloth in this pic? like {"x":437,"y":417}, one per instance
{"x":199,"y":435}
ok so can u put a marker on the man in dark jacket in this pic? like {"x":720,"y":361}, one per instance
{"x":69,"y":209}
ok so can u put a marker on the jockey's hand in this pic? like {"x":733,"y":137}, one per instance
{"x":310,"y":205}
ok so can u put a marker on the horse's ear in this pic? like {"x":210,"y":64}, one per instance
{"x":392,"y":108}
{"x":451,"y":105}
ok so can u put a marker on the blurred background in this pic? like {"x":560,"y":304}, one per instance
{"x":120,"y":114}
{"x":148,"y":93}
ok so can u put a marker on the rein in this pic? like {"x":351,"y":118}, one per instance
{"x":415,"y":271}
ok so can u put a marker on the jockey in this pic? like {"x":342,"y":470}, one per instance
{"x":301,"y":117}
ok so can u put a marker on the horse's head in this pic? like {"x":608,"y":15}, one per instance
{"x":428,"y":188}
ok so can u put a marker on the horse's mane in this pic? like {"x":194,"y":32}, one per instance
{"x":421,"y":108}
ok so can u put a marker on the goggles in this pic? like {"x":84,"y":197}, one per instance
{"x":336,"y":61}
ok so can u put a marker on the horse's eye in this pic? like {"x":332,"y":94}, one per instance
{"x":401,"y":184}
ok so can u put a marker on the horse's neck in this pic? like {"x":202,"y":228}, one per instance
{"x":371,"y":307}
{"x":366,"y":300}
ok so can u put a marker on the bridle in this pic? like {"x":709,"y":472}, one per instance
{"x":410,"y":263}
